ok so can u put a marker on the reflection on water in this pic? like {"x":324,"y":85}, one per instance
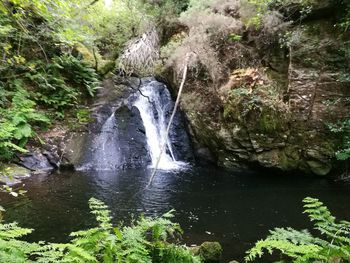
{"x":235,"y":208}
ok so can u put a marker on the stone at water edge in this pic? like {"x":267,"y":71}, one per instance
{"x":36,"y":162}
{"x":209,"y":252}
{"x":13,"y":174}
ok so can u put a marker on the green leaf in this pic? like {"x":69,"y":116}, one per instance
{"x":23,"y":131}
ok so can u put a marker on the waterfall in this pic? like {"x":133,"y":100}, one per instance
{"x":128,"y":133}
{"x":152,"y":108}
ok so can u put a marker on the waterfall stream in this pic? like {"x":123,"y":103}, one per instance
{"x":130,"y":134}
{"x":152,"y":110}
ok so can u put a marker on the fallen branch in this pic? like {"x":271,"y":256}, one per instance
{"x":184,"y":76}
{"x":139,"y":90}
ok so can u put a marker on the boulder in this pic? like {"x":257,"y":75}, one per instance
{"x":210,"y":252}
{"x":12,"y":174}
{"x":35,"y":161}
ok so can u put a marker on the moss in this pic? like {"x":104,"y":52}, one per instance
{"x":210,"y":252}
{"x":319,"y":168}
{"x":106,"y":67}
{"x":12,"y":174}
{"x":84,"y":53}
{"x":289,"y":158}
{"x":270,"y":122}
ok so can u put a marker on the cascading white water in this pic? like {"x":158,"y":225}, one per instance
{"x":155,"y":123}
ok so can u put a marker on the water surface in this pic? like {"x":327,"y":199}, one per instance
{"x":234,"y":208}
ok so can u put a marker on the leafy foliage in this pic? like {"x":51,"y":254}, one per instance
{"x":39,"y":76}
{"x":302,"y":246}
{"x":146,"y":240}
{"x":342,"y":128}
{"x":17,"y":123}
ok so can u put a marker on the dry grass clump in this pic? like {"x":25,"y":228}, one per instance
{"x":227,"y":35}
{"x":211,"y":23}
{"x":141,"y":54}
{"x":227,"y":7}
{"x":206,"y":31}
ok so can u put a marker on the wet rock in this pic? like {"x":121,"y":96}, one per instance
{"x":12,"y":174}
{"x":53,"y":158}
{"x":205,"y":156}
{"x":73,"y":149}
{"x":319,"y":168}
{"x":36,"y":162}
{"x":132,"y":138}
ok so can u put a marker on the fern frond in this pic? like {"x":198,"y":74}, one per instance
{"x":296,"y":251}
{"x":13,"y":231}
{"x":301,"y":246}
{"x":100,"y":210}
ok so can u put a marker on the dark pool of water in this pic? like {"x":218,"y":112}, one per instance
{"x":234,"y":208}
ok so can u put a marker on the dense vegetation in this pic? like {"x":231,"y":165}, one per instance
{"x":40,"y":78}
{"x":51,"y":51}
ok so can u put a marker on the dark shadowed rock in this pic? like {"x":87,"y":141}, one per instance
{"x":131,"y":138}
{"x":36,"y":162}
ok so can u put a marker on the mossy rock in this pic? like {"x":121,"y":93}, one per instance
{"x":106,"y":66}
{"x":271,"y":122}
{"x":289,"y":158}
{"x":84,"y":53}
{"x":210,"y":252}
{"x":319,"y":168}
{"x":12,"y":174}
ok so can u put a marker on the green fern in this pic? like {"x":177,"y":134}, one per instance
{"x":301,"y":246}
{"x":13,"y":250}
{"x":146,"y":240}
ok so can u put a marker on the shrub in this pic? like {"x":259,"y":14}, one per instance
{"x":17,"y":121}
{"x":207,"y":30}
{"x":342,"y":128}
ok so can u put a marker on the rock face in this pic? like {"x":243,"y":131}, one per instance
{"x":181,"y":144}
{"x":115,"y":140}
{"x":132,"y":138}
{"x":275,"y":114}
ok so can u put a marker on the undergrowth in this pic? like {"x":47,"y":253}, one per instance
{"x":145,"y":240}
{"x":40,"y":80}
